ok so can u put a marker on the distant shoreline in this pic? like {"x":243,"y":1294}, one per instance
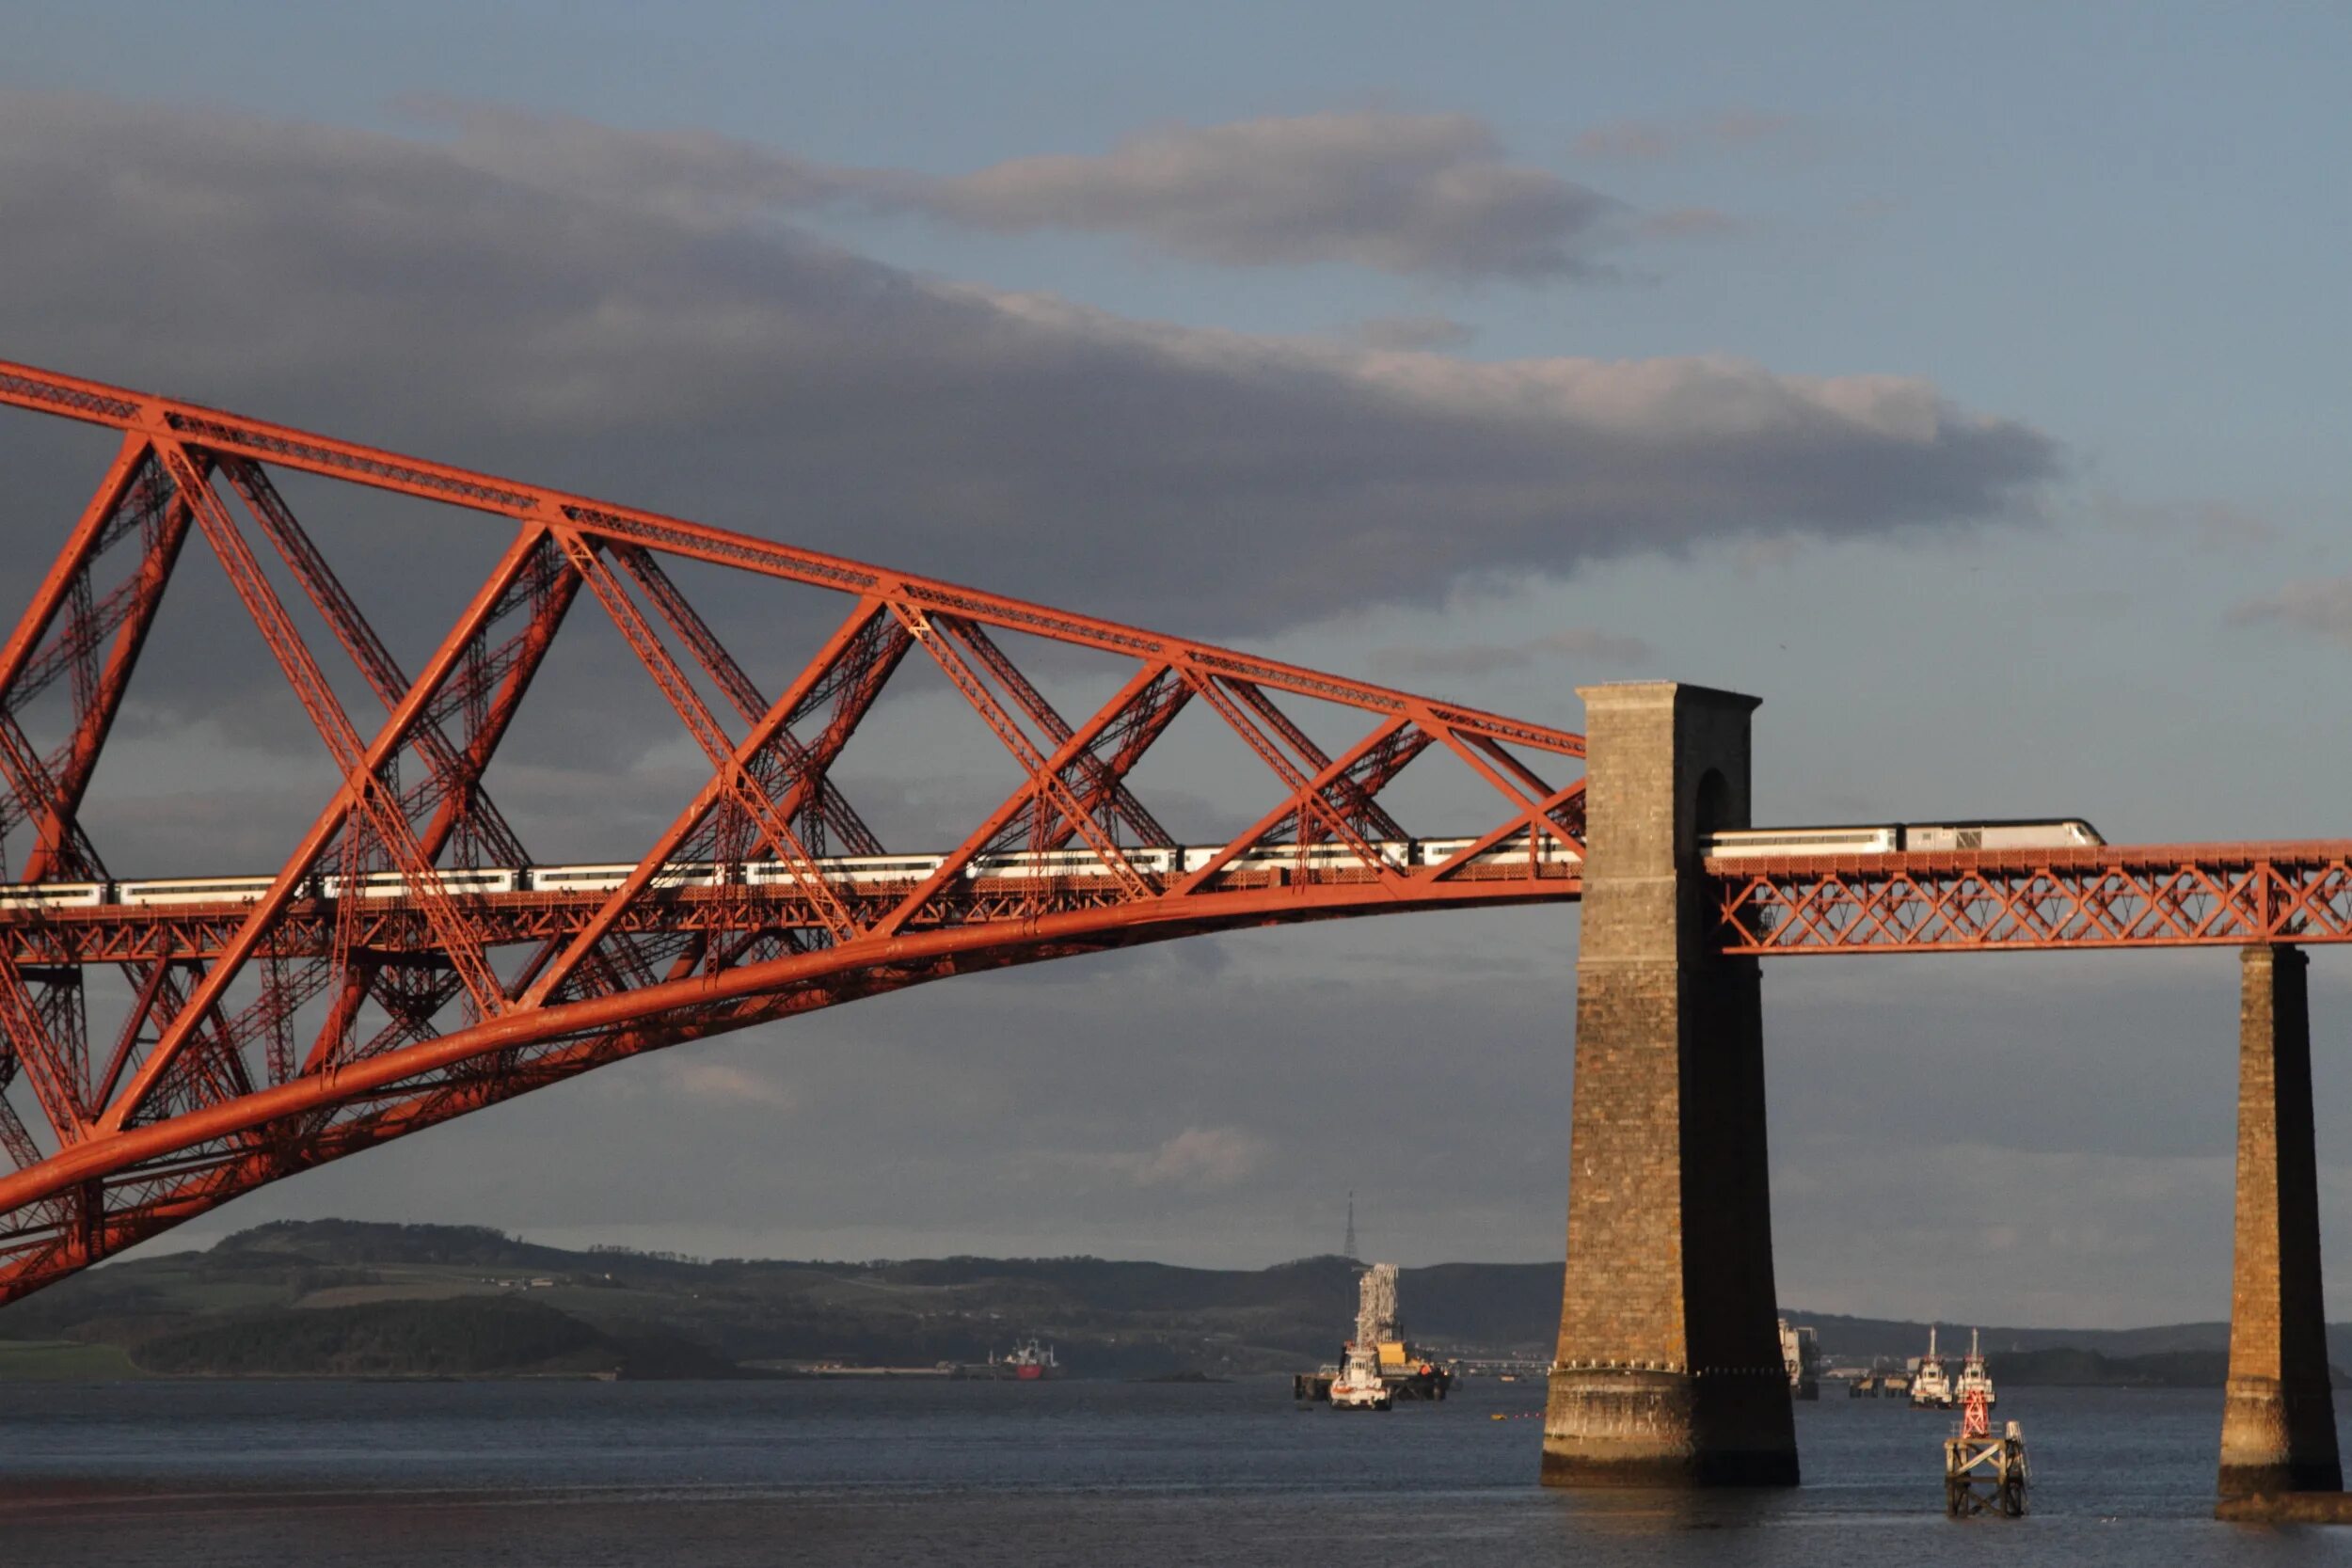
{"x":343,"y":1299}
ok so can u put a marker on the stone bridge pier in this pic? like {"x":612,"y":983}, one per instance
{"x":2279,"y":1420}
{"x":1668,"y":1370}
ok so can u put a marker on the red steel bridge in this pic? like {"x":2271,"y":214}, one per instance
{"x":410,"y":961}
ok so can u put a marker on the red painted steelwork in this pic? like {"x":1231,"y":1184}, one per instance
{"x":436,"y":999}
{"x":2163,"y":896}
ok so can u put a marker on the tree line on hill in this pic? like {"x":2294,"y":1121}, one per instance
{"x":339,"y":1297}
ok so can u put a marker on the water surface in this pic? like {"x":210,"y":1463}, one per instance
{"x":722,"y":1474}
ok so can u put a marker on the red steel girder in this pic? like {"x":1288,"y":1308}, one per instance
{"x":589,"y":1033}
{"x":1044,"y":786}
{"x":1354,"y":800}
{"x":36,"y":1056}
{"x":61,"y":634}
{"x":360,"y":765}
{"x":282,"y":446}
{"x":1127,"y":738}
{"x":362,"y":791}
{"x":834,"y":815}
{"x":2010,"y":900}
{"x":1312,"y":812}
{"x":60,"y":848}
{"x":1048,"y":789}
{"x":179,"y":1121}
{"x":734,"y":778}
{"x":453,"y":776}
{"x":1106,"y":790}
{"x":766,"y":728}
{"x":488,"y":688}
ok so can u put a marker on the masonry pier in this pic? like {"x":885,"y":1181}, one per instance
{"x":2278,"y":1422}
{"x":1668,"y":1370}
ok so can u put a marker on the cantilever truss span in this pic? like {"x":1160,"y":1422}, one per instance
{"x":298,"y":1021}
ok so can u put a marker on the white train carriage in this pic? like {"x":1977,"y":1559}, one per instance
{"x":1156,"y":862}
{"x":1075,"y":862}
{"x":452,"y":882}
{"x":855,"y":869}
{"x":605,"y":878}
{"x":1894,"y":838}
{"x":1082,"y":860}
{"x":195,"y":889}
{"x":1758,"y":843}
{"x":1437,"y":851}
{"x":1328,"y":855}
{"x":2070,"y":833}
{"x":53,"y":895}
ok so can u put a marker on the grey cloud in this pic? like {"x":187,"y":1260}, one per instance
{"x":1411,"y":193}
{"x":746,"y":374}
{"x":1416,"y":195}
{"x":2319,"y":606}
{"x":722,"y":367}
{"x":1484,"y":658}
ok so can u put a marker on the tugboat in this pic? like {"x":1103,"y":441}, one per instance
{"x":1359,"y":1384}
{"x":1974,"y":1379}
{"x":1929,"y":1388}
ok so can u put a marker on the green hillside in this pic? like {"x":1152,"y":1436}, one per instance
{"x":335,"y":1297}
{"x":339,"y":1297}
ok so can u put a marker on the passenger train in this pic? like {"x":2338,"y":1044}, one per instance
{"x":1896,"y":838}
{"x":904,"y":871}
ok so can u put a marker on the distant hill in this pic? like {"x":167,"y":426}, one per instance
{"x":1860,"y":1340}
{"x":463,"y":1336}
{"x":338,"y":1297}
{"x":341,"y":1297}
{"x":2067,"y":1365}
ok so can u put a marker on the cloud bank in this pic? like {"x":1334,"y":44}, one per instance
{"x":624,"y":314}
{"x":1422,"y":196}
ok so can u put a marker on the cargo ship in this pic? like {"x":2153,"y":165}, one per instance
{"x":1029,"y":1363}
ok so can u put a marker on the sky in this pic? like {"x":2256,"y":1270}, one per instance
{"x":1963,"y":381}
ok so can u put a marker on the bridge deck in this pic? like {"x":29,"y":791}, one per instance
{"x":2009,"y":900}
{"x":114,"y":933}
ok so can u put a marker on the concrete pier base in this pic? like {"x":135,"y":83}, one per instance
{"x":1668,"y":1370}
{"x":2278,"y":1422}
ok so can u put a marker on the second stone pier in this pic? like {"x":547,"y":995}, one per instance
{"x":1668,"y":1370}
{"x":2278,"y":1422}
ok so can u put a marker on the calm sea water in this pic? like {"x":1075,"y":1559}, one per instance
{"x":716,"y":1475}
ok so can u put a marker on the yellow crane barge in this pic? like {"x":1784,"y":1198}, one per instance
{"x":1379,"y":1354}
